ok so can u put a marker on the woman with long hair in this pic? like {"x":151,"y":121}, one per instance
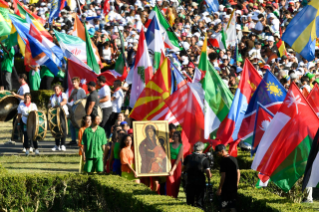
{"x":127,"y":158}
{"x":174,"y":179}
{"x":86,"y":122}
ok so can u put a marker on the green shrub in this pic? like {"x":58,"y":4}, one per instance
{"x":253,"y":199}
{"x":75,"y":192}
{"x":3,"y":170}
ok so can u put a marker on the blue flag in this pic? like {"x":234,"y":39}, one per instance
{"x":55,"y":9}
{"x":301,"y":33}
{"x":212,"y":5}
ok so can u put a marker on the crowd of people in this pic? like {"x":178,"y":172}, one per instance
{"x":106,"y":144}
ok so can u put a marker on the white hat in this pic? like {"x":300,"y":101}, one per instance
{"x":200,"y":43}
{"x":270,"y":39}
{"x":221,"y":7}
{"x":238,"y":12}
{"x":255,"y":18}
{"x":137,"y":16}
{"x":225,"y":57}
{"x":205,"y":13}
{"x":271,"y":15}
{"x":42,"y":4}
{"x":238,"y":27}
{"x":186,"y":45}
{"x":277,"y":35}
{"x":227,"y":16}
{"x":217,"y":21}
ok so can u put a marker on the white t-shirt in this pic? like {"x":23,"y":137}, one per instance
{"x":57,"y":100}
{"x":23,"y":90}
{"x":118,"y":101}
{"x":103,"y":92}
{"x":24,"y":110}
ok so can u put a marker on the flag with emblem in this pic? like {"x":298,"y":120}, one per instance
{"x":170,"y":39}
{"x":218,"y":98}
{"x":142,"y":72}
{"x":151,"y":100}
{"x":313,"y":98}
{"x":270,"y":93}
{"x":250,"y":79}
{"x":284,"y":148}
{"x":262,"y":120}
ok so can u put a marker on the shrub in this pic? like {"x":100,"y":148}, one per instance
{"x":41,"y":97}
{"x":75,"y":192}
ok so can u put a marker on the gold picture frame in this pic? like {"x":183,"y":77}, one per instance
{"x":151,"y":156}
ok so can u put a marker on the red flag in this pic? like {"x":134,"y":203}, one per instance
{"x":34,"y":32}
{"x":305,"y":92}
{"x":4,"y":4}
{"x":107,"y":7}
{"x":313,"y":98}
{"x":213,"y":42}
{"x":186,"y":104}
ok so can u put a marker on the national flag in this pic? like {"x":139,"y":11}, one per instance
{"x":186,"y":104}
{"x":43,"y":56}
{"x":121,"y":64}
{"x":4,"y":4}
{"x":305,"y":92}
{"x":311,"y":176}
{"x":218,"y":98}
{"x":218,"y":40}
{"x":91,"y":60}
{"x":155,"y":42}
{"x":237,"y":55}
{"x":21,"y":10}
{"x":151,"y":100}
{"x":213,"y":42}
{"x":262,"y":121}
{"x":5,"y":13}
{"x":73,"y":44}
{"x":260,"y":183}
{"x":230,"y":31}
{"x":281,"y":48}
{"x":284,"y":148}
{"x":170,"y":39}
{"x":56,"y":6}
{"x":80,"y":31}
{"x":142,"y":71}
{"x":271,"y":94}
{"x":5,"y":28}
{"x":212,"y":5}
{"x":107,"y":7}
{"x":229,"y":128}
{"x":313,"y":98}
{"x":76,"y":68}
{"x":301,"y":33}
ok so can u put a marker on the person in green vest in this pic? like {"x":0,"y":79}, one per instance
{"x":6,"y":66}
{"x":46,"y":78}
{"x":34,"y":78}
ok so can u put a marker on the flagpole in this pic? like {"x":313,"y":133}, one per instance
{"x":79,"y":6}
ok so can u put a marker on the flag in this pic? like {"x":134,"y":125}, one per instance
{"x":186,"y":104}
{"x":142,"y":71}
{"x":311,"y":177}
{"x":91,"y":60}
{"x":281,"y":48}
{"x":212,"y":5}
{"x":107,"y":7}
{"x":218,"y":98}
{"x":261,"y":184}
{"x":271,"y":94}
{"x":230,"y":31}
{"x":151,"y":100}
{"x":80,"y":31}
{"x":5,"y":28}
{"x":237,"y":55}
{"x":313,"y":98}
{"x":284,"y":148}
{"x":56,"y":6}
{"x":170,"y":39}
{"x":155,"y":43}
{"x":250,"y":79}
{"x":301,"y":33}
{"x":305,"y":92}
{"x":43,"y":56}
{"x":21,"y":10}
{"x":73,"y":44}
{"x":5,"y":13}
{"x":218,"y":40}
{"x":120,"y":64}
{"x":76,"y":68}
{"x":4,"y":4}
{"x":262,"y":121}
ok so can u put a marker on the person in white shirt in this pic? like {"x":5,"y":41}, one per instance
{"x":105,"y":103}
{"x":117,"y":101}
{"x":59,"y":99}
{"x":24,"y":109}
{"x":76,"y":94}
{"x":24,"y":87}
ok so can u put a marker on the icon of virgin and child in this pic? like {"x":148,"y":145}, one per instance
{"x":152,"y":152}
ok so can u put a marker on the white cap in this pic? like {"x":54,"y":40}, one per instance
{"x":255,"y":18}
{"x":271,"y":38}
{"x":271,"y":15}
{"x":238,"y":27}
{"x":186,"y":45}
{"x":200,"y":43}
{"x":221,"y":7}
{"x":217,"y":21}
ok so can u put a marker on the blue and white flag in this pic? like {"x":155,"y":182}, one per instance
{"x":55,"y":9}
{"x":212,"y":5}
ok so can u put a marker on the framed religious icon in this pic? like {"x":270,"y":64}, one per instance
{"x":151,"y":148}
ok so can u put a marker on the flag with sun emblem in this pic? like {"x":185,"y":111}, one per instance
{"x":150,"y":105}
{"x":270,"y":93}
{"x":285,"y":146}
{"x":262,"y":121}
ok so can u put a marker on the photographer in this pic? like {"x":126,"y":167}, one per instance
{"x":195,"y":165}
{"x":229,"y":180}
